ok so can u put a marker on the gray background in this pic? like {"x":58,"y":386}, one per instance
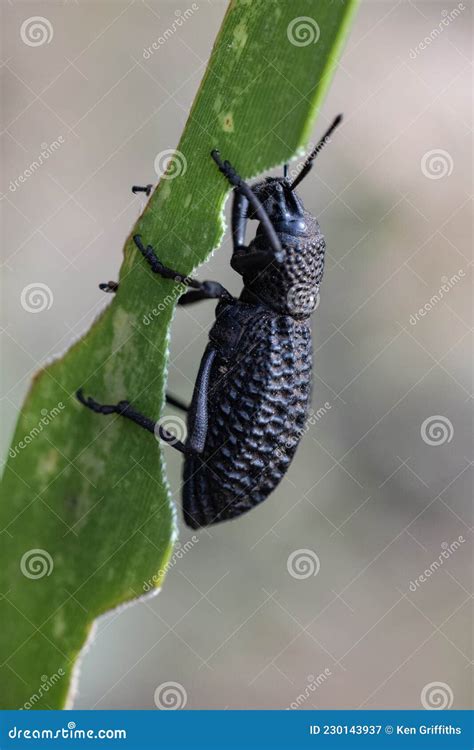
{"x":366,"y":493}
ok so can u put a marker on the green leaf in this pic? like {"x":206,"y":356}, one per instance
{"x":85,"y":512}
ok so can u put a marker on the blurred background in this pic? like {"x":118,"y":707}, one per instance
{"x":315,"y":599}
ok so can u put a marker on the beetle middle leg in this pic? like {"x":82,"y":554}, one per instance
{"x":199,"y":289}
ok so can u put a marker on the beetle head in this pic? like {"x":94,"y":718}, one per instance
{"x":282,"y":205}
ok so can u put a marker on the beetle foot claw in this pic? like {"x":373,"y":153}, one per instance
{"x":142,"y":189}
{"x":109,"y":286}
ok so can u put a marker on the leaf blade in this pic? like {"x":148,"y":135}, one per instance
{"x":90,"y":492}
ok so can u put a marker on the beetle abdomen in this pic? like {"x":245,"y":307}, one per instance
{"x":258,"y":404}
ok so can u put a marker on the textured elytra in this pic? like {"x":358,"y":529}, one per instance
{"x":258,"y":404}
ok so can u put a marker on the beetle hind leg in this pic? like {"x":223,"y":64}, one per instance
{"x":125,"y":409}
{"x":170,"y":399}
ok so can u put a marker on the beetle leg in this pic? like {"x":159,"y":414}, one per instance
{"x":109,"y":287}
{"x":125,"y":409}
{"x":257,"y":260}
{"x":240,"y":206}
{"x":203,"y":289}
{"x":176,"y":402}
{"x":242,"y":187}
{"x":142,"y":189}
{"x":157,"y":266}
{"x":209,"y":290}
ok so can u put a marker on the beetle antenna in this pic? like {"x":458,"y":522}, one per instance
{"x":229,"y":172}
{"x":285,"y":170}
{"x":307,"y":166}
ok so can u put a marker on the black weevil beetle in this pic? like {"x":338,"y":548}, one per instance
{"x":253,"y":389}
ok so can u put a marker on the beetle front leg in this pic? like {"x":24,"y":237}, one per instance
{"x":226,"y":168}
{"x":142,"y":189}
{"x":109,"y":286}
{"x":240,"y":206}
